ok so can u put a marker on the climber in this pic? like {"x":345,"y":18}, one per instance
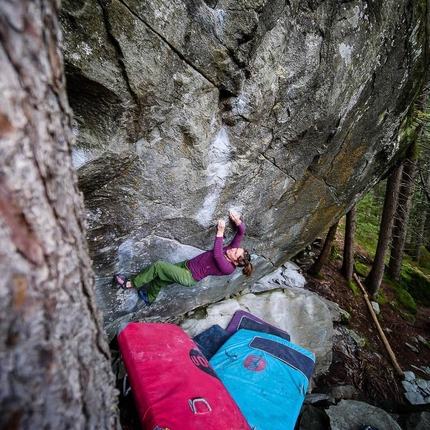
{"x":220,"y":261}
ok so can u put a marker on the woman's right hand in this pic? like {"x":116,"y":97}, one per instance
{"x":221,"y":228}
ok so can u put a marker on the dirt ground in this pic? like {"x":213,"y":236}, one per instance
{"x":370,"y":368}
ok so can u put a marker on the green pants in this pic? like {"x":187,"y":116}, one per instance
{"x":160,"y":274}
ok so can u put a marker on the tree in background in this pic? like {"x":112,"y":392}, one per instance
{"x":348,"y":248}
{"x":401,"y":217}
{"x":54,"y":358}
{"x":418,"y":227}
{"x":423,"y":217}
{"x":412,"y":221}
{"x":325,"y":252}
{"x":374,"y":278}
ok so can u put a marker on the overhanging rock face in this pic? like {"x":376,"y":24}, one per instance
{"x":286,"y":111}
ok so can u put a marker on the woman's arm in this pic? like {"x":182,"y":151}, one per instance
{"x":237,"y":240}
{"x":234,"y":216}
{"x":223,"y":265}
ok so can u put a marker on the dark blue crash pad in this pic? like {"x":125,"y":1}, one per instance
{"x":211,"y":340}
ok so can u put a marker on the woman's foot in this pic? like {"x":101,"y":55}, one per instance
{"x":123,"y":282}
{"x":144,"y":297}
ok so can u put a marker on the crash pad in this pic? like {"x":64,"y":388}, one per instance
{"x":173,"y":385}
{"x":267,"y":376}
{"x":244,"y":320}
{"x":210,"y":340}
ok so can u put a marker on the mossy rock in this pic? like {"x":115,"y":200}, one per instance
{"x":407,"y":317}
{"x":361,"y":269}
{"x":425,"y":258}
{"x":380,"y":298}
{"x":417,"y":284}
{"x":404,"y":298}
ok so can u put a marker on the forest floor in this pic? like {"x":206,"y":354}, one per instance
{"x":369,"y":368}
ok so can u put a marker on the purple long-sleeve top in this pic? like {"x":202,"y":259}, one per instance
{"x":214,"y":262}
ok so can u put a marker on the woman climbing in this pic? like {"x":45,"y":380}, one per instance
{"x":218,"y":262}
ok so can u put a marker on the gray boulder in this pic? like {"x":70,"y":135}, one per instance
{"x":287,"y":111}
{"x":302,"y":314}
{"x":352,"y":414}
{"x":418,"y":421}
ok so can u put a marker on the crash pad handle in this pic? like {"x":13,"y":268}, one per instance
{"x":196,"y":409}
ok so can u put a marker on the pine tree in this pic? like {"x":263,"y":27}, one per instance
{"x":374,"y":279}
{"x":325,"y":252}
{"x":402,"y":215}
{"x":55,"y":359}
{"x":348,"y":248}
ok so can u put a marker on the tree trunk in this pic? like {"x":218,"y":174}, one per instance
{"x":348,"y":248}
{"x":422,"y":220}
{"x":325,"y":252}
{"x":54,"y":358}
{"x":419,"y":242}
{"x":401,"y":218}
{"x":374,"y":279}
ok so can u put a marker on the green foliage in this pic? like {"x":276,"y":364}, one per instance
{"x":394,"y":305}
{"x":368,"y":219}
{"x":353,"y":288}
{"x":334,"y":252}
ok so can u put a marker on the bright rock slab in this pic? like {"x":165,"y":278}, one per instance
{"x":307,"y":318}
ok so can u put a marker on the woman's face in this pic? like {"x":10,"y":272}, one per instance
{"x":234,"y":254}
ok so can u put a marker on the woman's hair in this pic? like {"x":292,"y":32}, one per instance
{"x":245,"y":262}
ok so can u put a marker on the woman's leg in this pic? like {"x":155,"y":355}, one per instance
{"x":160,"y":274}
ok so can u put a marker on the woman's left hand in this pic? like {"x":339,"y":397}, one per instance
{"x":234,"y":216}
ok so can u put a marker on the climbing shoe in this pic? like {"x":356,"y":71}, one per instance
{"x":122,"y":280}
{"x":144,"y":297}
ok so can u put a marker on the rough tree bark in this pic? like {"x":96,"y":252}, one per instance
{"x":374,"y":278}
{"x":401,"y":218}
{"x":54,"y":359}
{"x":325,"y":252}
{"x":348,"y":248}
